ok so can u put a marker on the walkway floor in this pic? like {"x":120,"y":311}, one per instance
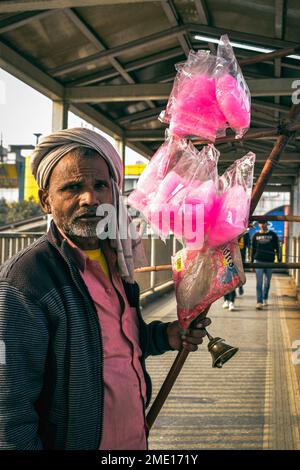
{"x":254,"y":401}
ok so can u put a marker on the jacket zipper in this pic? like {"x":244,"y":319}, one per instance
{"x":92,"y":308}
{"x":89,"y":303}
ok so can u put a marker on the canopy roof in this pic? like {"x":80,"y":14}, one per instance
{"x":113,"y":61}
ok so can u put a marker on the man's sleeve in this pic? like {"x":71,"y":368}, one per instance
{"x":277,"y":247}
{"x":154,"y":338}
{"x":253,"y":248}
{"x":23,"y":349}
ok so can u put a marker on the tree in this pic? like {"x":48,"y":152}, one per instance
{"x":3,"y":211}
{"x":16,"y":211}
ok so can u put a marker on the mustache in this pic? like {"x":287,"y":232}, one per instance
{"x":85,"y":214}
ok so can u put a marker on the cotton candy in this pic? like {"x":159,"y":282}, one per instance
{"x":196,"y":110}
{"x":234,"y":102}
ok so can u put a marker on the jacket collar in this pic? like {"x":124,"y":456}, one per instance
{"x":56,"y":238}
{"x":70,"y":251}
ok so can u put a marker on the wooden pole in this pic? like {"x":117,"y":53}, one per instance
{"x":274,"y":156}
{"x":256,"y":194}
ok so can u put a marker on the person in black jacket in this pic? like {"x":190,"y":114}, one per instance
{"x":73,"y":341}
{"x":265,"y":245}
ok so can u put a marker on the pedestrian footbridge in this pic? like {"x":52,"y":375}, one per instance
{"x":253,"y":402}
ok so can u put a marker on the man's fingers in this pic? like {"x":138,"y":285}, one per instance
{"x":203,"y":323}
{"x":189,"y":346}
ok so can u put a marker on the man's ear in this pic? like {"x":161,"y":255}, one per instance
{"x":44,"y":200}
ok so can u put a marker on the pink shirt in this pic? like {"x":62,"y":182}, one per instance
{"x":124,"y":385}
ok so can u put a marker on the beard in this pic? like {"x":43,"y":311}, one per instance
{"x":83,"y":229}
{"x":76,"y":227}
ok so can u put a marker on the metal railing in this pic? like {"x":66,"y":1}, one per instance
{"x":12,"y":243}
{"x":156,"y":251}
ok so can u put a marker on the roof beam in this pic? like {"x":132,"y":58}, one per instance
{"x":169,"y":33}
{"x":129,"y":67}
{"x":11,"y":23}
{"x":271,"y":188}
{"x":279,"y":18}
{"x":279,"y":33}
{"x":270,"y":106}
{"x":97,"y":119}
{"x":286,"y":180}
{"x":141,"y":116}
{"x":161,"y":91}
{"x":97,"y":42}
{"x":12,"y":6}
{"x":261,"y":157}
{"x":204,"y":17}
{"x":21,"y":68}
{"x":170,"y":10}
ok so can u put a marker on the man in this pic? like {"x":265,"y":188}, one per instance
{"x":74,"y":373}
{"x":244,"y":244}
{"x":265,"y":244}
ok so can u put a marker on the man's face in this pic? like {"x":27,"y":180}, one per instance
{"x":263,"y":227}
{"x":77,"y":186}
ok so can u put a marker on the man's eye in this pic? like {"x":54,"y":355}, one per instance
{"x":101,"y":185}
{"x":71,"y":187}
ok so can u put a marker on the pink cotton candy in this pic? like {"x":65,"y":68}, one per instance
{"x":233,"y":101}
{"x":170,"y":185}
{"x":196,"y":110}
{"x":231,"y":219}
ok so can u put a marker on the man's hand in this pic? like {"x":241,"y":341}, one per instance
{"x":188,"y":340}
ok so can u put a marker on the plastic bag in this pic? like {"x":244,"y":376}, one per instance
{"x":232,"y":91}
{"x":231,"y":212}
{"x":192,"y":108}
{"x":181,"y":201}
{"x":161,"y":163}
{"x":209,"y":95}
{"x":203,"y":276}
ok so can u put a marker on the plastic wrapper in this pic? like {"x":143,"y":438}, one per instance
{"x":232,"y":91}
{"x":209,"y":95}
{"x":203,"y":276}
{"x":183,"y":199}
{"x":231,"y":212}
{"x":161,"y":163}
{"x":192,"y":108}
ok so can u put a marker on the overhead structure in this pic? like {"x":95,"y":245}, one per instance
{"x":112,"y":62}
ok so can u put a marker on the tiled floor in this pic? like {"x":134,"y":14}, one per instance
{"x":253,"y":402}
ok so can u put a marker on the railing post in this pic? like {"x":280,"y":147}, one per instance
{"x":293,"y":256}
{"x":153,"y":260}
{"x":297,"y":260}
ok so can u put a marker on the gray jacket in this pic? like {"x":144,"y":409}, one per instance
{"x":51,"y":371}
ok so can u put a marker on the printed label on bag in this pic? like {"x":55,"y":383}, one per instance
{"x":179,"y":263}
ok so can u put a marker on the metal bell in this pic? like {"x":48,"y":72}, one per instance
{"x":220,"y":351}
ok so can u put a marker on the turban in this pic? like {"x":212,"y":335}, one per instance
{"x":55,"y":146}
{"x":48,"y":153}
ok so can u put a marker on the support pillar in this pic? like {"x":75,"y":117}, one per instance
{"x":59,"y":115}
{"x":59,"y":121}
{"x":121,"y":147}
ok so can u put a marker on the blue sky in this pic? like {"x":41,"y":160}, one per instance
{"x":24,"y":111}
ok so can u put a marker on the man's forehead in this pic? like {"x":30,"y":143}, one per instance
{"x":75,"y":164}
{"x":76,"y":167}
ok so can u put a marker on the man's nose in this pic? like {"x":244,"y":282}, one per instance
{"x":89,"y":198}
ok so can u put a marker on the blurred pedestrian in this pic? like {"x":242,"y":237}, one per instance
{"x":265,"y":245}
